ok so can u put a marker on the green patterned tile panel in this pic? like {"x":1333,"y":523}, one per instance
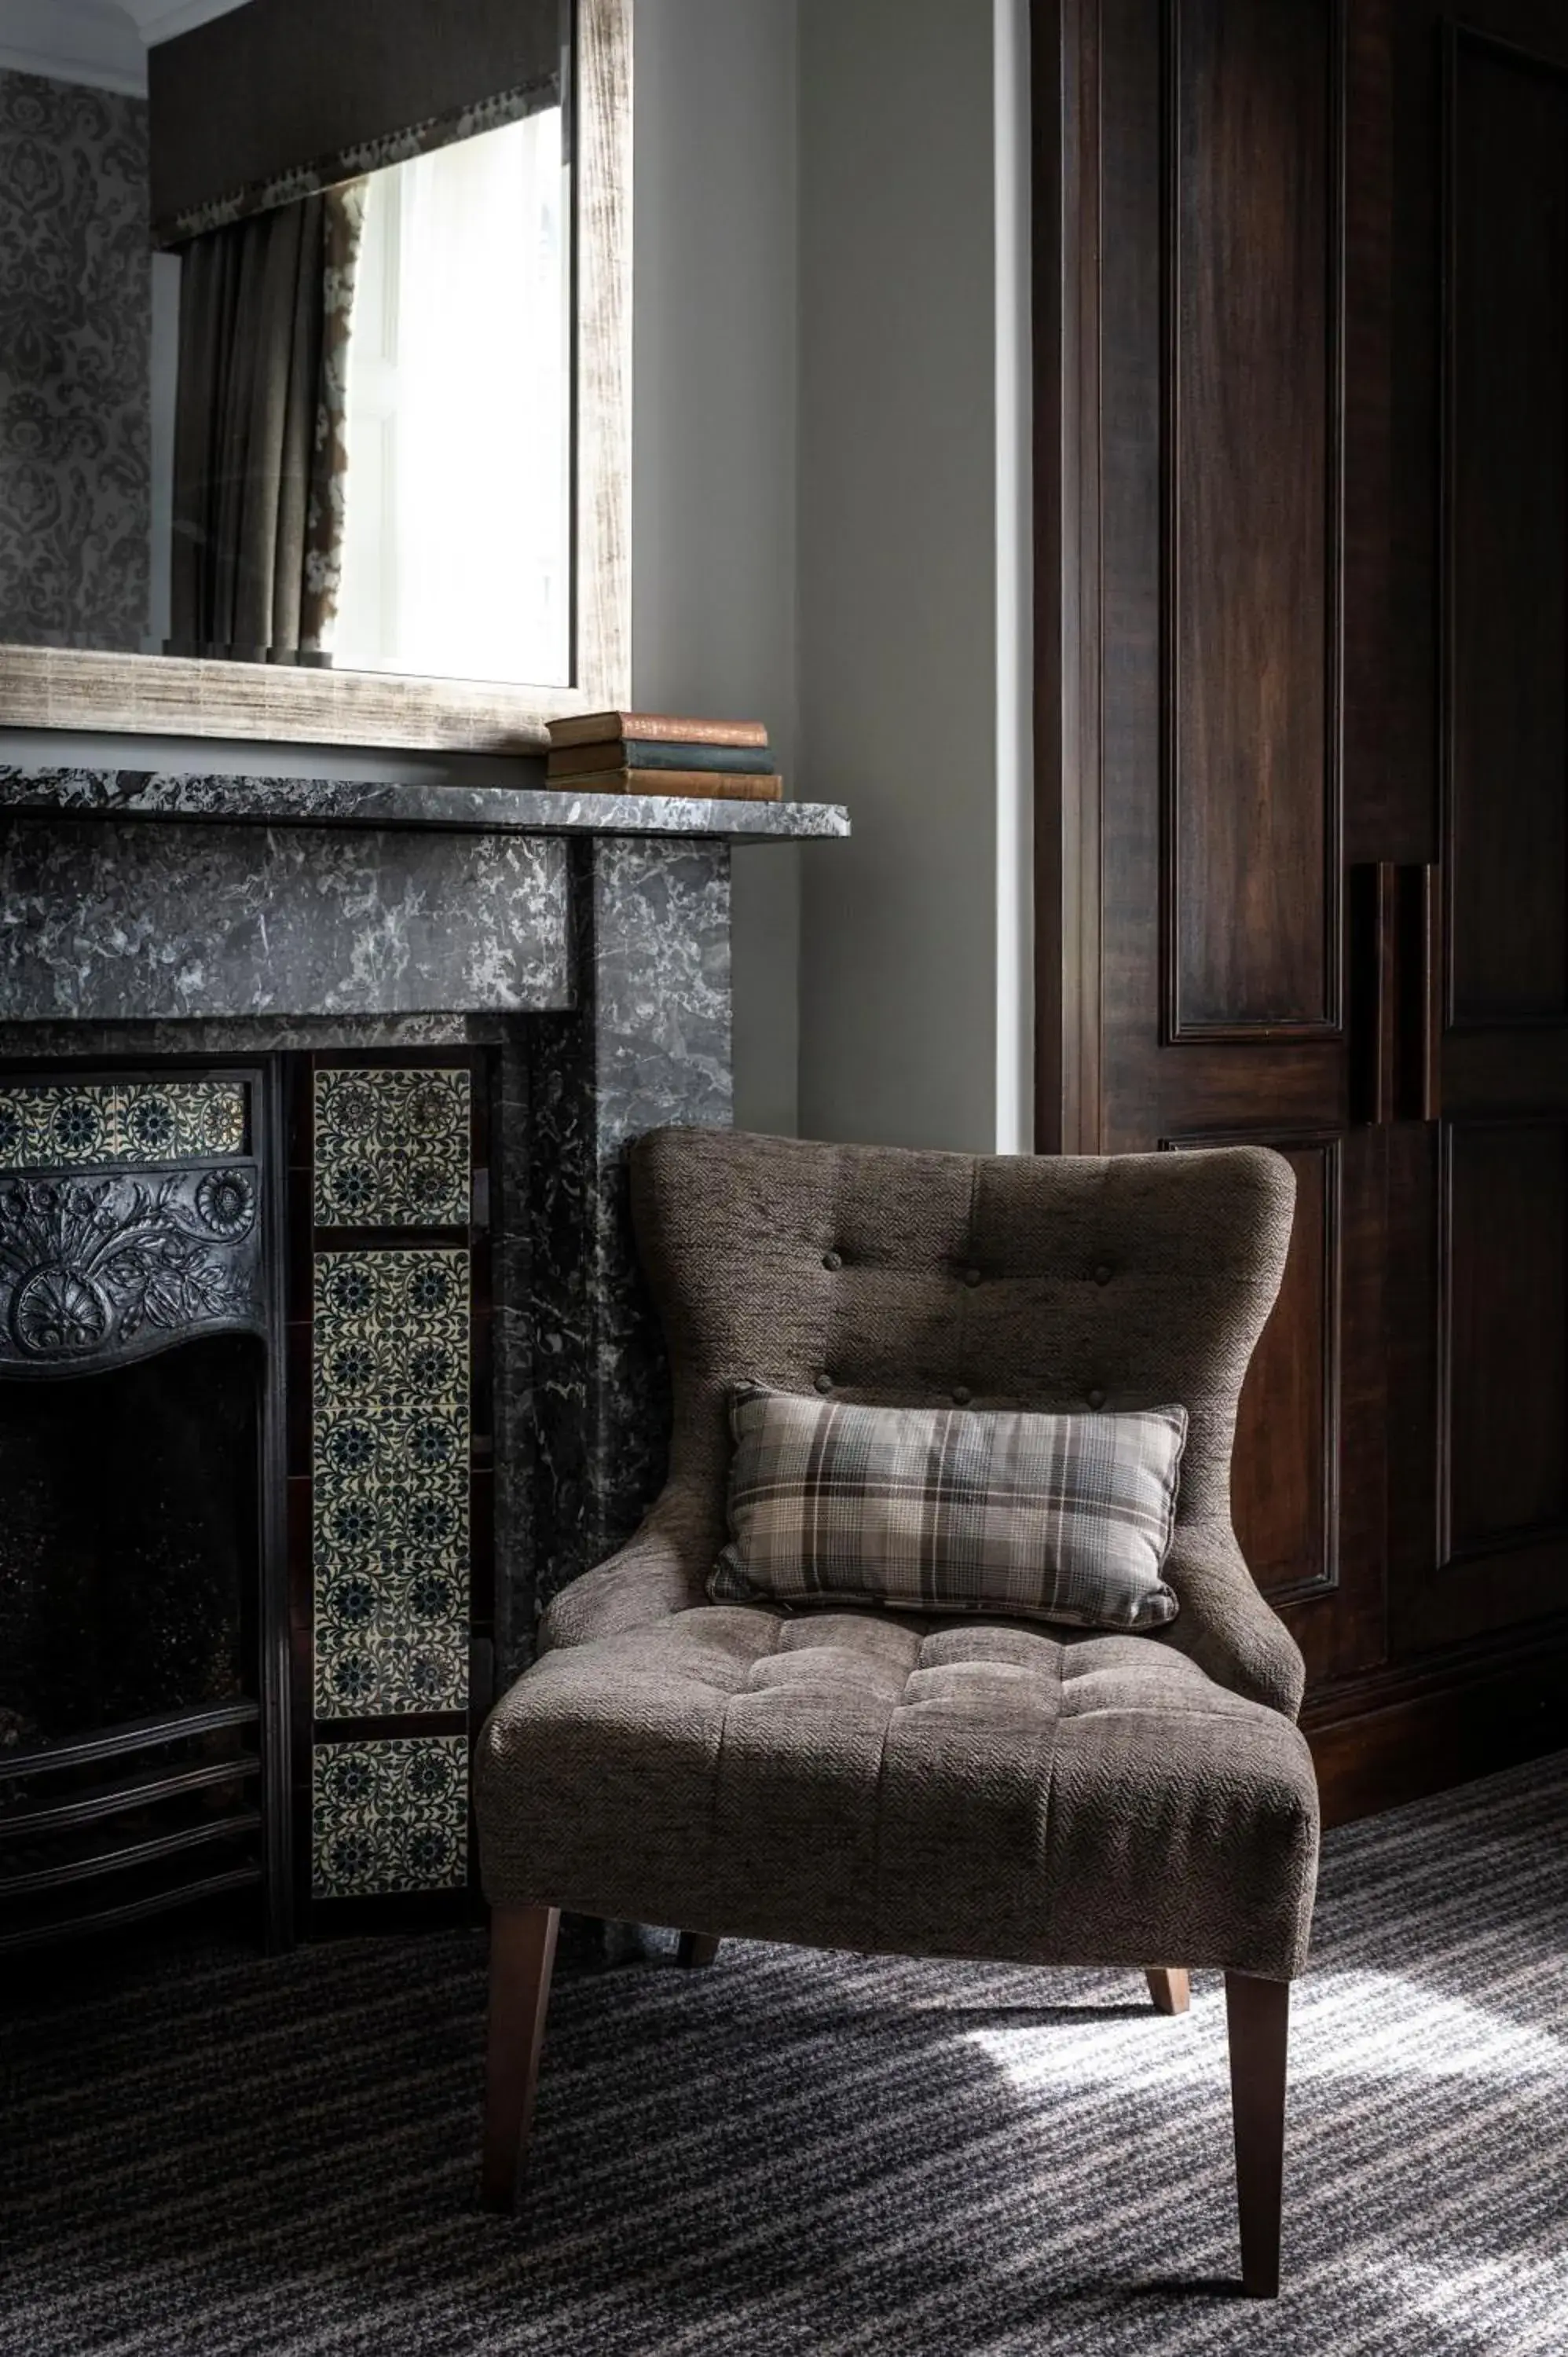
{"x":389,"y":1816}
{"x":391,"y":1483}
{"x":80,"y":1125}
{"x":392,"y":1148}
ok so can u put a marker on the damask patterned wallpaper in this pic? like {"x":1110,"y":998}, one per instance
{"x":75,"y":329}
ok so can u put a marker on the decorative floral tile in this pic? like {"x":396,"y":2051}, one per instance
{"x":392,"y":1148}
{"x":81,"y":1124}
{"x":389,"y":1816}
{"x":390,"y":1516}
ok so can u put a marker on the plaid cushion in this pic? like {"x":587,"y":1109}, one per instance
{"x":933,"y":1510}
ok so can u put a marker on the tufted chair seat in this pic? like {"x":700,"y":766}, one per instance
{"x":932,"y":1788}
{"x":894,"y":1782}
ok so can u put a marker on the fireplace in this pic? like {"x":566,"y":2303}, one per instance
{"x":245,"y":1437}
{"x":323,"y":1356}
{"x":139,"y":1611}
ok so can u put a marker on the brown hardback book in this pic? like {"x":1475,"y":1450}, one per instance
{"x":719,"y":785}
{"x":655,"y":727}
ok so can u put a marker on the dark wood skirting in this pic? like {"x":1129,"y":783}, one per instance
{"x":1420,"y":1728}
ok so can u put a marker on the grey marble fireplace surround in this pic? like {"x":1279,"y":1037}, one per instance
{"x":584,"y":941}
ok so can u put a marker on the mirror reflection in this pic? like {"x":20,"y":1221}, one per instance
{"x":335,"y":431}
{"x":370,"y":459}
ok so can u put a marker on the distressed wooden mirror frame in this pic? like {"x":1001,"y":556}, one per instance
{"x":54,"y":687}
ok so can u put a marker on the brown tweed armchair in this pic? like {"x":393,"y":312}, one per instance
{"x":928,"y":1787}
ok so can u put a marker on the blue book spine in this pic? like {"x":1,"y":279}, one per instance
{"x":739,"y":760}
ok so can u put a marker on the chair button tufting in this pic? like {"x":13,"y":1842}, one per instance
{"x":832,"y":1259}
{"x":1097,"y":1397}
{"x":1103,"y":1273}
{"x":824,"y":1383}
{"x":962,"y":1395}
{"x":971,"y":1276}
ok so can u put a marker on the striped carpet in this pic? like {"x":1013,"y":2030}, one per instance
{"x":795,"y":2152}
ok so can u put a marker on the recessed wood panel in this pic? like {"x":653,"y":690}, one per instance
{"x":1282,"y":1481}
{"x":1506,"y":456}
{"x":1283,"y":1486}
{"x":1505,"y":1244}
{"x":1252,"y":464}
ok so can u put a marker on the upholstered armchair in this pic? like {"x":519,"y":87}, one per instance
{"x":887,"y":1781}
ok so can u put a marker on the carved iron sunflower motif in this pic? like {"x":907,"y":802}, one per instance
{"x":227,"y":1202}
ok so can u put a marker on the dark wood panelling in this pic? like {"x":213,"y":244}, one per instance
{"x":1284,"y":1487}
{"x":1251,"y":487}
{"x":1287,"y":1506}
{"x":1065,"y":69}
{"x":1272,"y":609}
{"x":1505,"y":1395}
{"x":1506,"y":447}
{"x":1387,"y":1739}
{"x":1308,"y":1472}
{"x":1122,"y":445}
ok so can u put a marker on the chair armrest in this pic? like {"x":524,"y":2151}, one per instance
{"x":1225,"y":1626}
{"x":661,"y":1569}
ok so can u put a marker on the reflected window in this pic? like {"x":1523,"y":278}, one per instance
{"x":457,"y":526}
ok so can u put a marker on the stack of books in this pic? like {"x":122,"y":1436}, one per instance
{"x":661,"y":753}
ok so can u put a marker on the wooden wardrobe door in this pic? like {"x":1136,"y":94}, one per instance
{"x":1302,"y":592}
{"x":1480,"y":1535}
{"x":1220,"y":695}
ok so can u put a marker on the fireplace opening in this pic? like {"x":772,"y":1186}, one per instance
{"x":128,"y":1550}
{"x":130,"y":1581}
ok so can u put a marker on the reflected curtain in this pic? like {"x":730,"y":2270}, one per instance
{"x":260,"y":458}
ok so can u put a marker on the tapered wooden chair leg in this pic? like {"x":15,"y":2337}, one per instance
{"x":1258,"y":2014}
{"x":696,"y":1950}
{"x":1170,"y":1987}
{"x":523,"y":1955}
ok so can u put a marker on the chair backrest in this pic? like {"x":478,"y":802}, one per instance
{"x":876,"y":1273}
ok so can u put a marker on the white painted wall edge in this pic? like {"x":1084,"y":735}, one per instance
{"x":1015,"y":602}
{"x":83,"y":41}
{"x":100,"y":43}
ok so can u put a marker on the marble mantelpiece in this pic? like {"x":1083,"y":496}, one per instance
{"x":486,"y":810}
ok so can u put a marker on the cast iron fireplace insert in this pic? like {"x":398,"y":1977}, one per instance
{"x":244,"y":1596}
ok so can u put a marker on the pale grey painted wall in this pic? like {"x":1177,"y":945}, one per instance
{"x":713,"y":493}
{"x":905,"y":963}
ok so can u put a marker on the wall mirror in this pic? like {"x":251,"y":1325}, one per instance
{"x":314,"y":383}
